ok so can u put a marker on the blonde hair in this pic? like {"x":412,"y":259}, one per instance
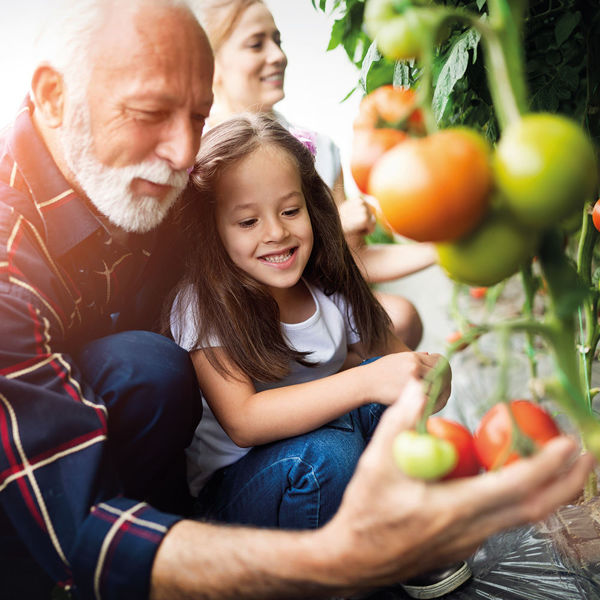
{"x":220,"y":17}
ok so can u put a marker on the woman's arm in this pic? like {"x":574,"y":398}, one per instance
{"x":386,"y":262}
{"x":251,"y":418}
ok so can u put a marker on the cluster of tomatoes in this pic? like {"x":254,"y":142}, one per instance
{"x":484,"y":208}
{"x":449,"y":450}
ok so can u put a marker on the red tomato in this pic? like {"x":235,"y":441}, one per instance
{"x":460,"y":437}
{"x":478,"y":292}
{"x":494,"y":436}
{"x":596,"y":215}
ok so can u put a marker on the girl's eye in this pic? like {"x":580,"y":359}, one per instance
{"x":291,"y":212}
{"x":247,"y":223}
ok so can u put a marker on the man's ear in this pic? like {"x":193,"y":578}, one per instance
{"x":47,"y":88}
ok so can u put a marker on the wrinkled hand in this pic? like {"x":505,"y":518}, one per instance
{"x":389,"y":375}
{"x":391,"y":527}
{"x":357,"y":217}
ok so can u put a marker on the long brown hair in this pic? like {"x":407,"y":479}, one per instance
{"x":231,"y":306}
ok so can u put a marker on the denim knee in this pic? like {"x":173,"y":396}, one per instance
{"x":149,"y":367}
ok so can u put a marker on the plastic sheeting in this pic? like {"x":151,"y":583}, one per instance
{"x":556,"y":559}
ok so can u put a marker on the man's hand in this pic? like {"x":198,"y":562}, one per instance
{"x":391,"y":527}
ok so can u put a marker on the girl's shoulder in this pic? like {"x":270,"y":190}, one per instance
{"x":185,"y":321}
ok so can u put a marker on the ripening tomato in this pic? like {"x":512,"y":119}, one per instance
{"x":596,"y":215}
{"x":386,"y":117}
{"x":462,"y":440}
{"x":435,"y":188}
{"x":494,"y":437}
{"x":545,"y":168}
{"x":423,"y":456}
{"x":367,"y":147}
{"x":391,"y":107}
{"x":495,"y":250}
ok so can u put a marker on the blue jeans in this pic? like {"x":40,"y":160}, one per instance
{"x":296,"y":483}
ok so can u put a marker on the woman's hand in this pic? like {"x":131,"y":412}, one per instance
{"x":357,"y":217}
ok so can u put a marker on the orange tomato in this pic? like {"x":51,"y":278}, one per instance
{"x":387,"y":116}
{"x":435,"y":188}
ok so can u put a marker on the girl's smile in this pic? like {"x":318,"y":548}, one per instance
{"x":262,"y":218}
{"x":281,"y":260}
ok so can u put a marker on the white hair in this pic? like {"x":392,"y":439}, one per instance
{"x":66,"y":38}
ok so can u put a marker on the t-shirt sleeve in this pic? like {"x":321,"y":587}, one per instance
{"x":184,"y":322}
{"x":183,"y":319}
{"x":351,"y":331}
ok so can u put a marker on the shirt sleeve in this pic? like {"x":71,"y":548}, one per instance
{"x":352,"y":335}
{"x":56,"y":482}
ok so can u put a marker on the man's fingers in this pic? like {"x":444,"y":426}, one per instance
{"x":519,"y":482}
{"x":401,"y":415}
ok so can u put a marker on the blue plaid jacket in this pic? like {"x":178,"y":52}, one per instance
{"x":61,"y":278}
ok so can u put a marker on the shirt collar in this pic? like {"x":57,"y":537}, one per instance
{"x":67,"y":218}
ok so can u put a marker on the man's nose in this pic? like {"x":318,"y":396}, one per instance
{"x":180,"y":143}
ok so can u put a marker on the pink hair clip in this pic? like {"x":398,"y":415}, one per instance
{"x":308,"y":138}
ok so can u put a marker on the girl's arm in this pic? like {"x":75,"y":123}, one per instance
{"x":252,"y":418}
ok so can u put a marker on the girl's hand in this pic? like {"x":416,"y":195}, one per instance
{"x":388,"y":376}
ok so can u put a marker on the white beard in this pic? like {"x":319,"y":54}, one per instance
{"x":109,"y":188}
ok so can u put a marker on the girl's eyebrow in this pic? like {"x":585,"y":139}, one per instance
{"x":250,"y":205}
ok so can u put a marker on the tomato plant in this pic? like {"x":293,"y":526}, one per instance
{"x":476,"y":259}
{"x":545,"y":168}
{"x":434,"y":188}
{"x":423,"y":456}
{"x":596,"y":215}
{"x":387,"y":116}
{"x":460,"y":437}
{"x":495,"y":440}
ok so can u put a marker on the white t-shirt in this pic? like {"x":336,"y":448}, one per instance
{"x":326,"y":334}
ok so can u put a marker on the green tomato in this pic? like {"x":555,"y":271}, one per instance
{"x":545,"y":168}
{"x":423,"y":456}
{"x":492,"y":252}
{"x":400,"y":29}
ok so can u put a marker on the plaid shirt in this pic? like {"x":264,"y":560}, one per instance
{"x":61,"y":278}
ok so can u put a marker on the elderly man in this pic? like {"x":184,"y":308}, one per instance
{"x":95,"y":410}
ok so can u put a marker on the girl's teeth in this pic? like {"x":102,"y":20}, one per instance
{"x":279,"y":258}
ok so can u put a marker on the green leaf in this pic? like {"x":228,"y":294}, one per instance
{"x":402,"y":74}
{"x":453,"y":69}
{"x":565,"y":26}
{"x":371,"y":57}
{"x":337,"y":34}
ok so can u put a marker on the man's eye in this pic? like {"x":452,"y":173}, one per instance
{"x":148,"y":115}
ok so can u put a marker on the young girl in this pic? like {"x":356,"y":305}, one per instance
{"x":277,"y":317}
